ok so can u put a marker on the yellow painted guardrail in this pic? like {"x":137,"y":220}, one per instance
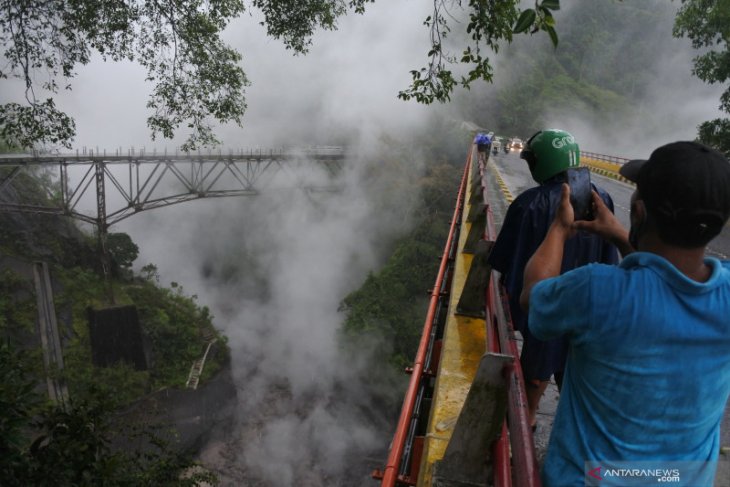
{"x":604,"y":165}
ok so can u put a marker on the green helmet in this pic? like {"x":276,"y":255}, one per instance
{"x":550,"y":152}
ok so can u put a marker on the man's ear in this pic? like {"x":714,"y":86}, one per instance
{"x":638,"y":211}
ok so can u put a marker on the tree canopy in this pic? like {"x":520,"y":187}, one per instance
{"x":197,"y":78}
{"x":488,"y":24}
{"x":707,"y":24}
{"x":195,"y":73}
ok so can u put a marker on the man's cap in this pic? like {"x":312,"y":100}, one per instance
{"x":685,"y":184}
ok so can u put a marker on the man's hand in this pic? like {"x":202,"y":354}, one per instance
{"x":606,"y":225}
{"x":565,"y":216}
{"x":548,"y":258}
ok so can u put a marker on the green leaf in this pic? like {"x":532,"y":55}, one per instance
{"x":549,"y":20}
{"x":553,"y":35}
{"x":551,"y":4}
{"x":527,"y":18}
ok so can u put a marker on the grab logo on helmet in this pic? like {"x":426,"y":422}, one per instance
{"x":572,"y":159}
{"x":560,"y":142}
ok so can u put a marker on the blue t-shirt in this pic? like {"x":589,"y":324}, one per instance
{"x":648,"y":373}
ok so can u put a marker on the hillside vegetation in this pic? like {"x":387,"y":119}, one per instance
{"x":392,"y":302}
{"x":55,"y":444}
{"x":607,"y":63}
{"x":176,"y":327}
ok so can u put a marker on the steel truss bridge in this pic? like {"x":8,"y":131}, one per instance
{"x":123,"y":185}
{"x":145,"y":182}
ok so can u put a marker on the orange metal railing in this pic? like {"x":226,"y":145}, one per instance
{"x":513,"y":454}
{"x":390,"y":474}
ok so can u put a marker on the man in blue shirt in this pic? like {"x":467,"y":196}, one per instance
{"x":648,"y":372}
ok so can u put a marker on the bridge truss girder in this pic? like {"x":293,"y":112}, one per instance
{"x":148,"y":182}
{"x":137,"y":180}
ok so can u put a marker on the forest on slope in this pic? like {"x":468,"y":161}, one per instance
{"x":76,"y":442}
{"x":392,"y":301}
{"x":611,"y":62}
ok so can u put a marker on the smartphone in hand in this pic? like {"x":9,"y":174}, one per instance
{"x":581,"y":197}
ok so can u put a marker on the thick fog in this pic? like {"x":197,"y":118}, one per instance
{"x":275,"y":267}
{"x":670,"y":108}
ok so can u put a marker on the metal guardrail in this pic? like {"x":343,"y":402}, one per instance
{"x":604,"y":157}
{"x":119,"y":153}
{"x":604,"y":165}
{"x":513,"y":454}
{"x":392,"y":471}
